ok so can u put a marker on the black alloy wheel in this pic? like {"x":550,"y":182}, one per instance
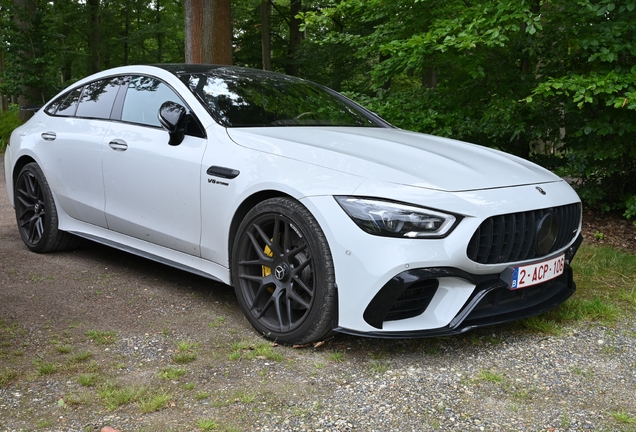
{"x":36,"y":214}
{"x":283,"y":272}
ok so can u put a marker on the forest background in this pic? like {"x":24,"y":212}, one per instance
{"x":549,"y":80}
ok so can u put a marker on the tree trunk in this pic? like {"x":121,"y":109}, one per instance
{"x":295,"y":38}
{"x":266,"y":35}
{"x":159,"y":33}
{"x":24,"y":10}
{"x":93,"y":36}
{"x":208,"y":31}
{"x":429,"y":79}
{"x":126,"y":32}
{"x":4,"y":103}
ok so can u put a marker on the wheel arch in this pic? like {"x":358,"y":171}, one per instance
{"x":242,"y":211}
{"x":19,"y":164}
{"x":17,"y":167}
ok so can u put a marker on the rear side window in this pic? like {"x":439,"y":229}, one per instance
{"x":53,"y":106}
{"x":144,"y":97}
{"x":97,"y":98}
{"x":68,"y":105}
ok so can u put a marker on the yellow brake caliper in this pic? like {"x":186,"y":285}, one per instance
{"x":266,"y":270}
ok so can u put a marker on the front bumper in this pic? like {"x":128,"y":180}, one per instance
{"x":492,"y":302}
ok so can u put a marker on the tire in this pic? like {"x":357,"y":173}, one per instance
{"x":36,"y":214}
{"x":283,"y":272}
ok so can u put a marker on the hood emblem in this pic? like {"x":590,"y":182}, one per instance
{"x":541,"y":190}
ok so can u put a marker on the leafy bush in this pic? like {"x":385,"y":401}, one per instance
{"x":8,"y":121}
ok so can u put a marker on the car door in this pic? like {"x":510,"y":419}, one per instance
{"x":152,"y":189}
{"x":70,"y":146}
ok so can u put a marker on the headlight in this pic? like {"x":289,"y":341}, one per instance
{"x":391,"y":219}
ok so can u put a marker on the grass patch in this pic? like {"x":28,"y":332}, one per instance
{"x":379,"y":366}
{"x":6,"y":376}
{"x":172,"y":373}
{"x":44,"y":424}
{"x":623,"y":417}
{"x":153,"y":402}
{"x":80,"y":357}
{"x":202,"y":395}
{"x":186,"y":352}
{"x":114,"y":395}
{"x":101,"y":337}
{"x":89,"y":379}
{"x":541,"y":324}
{"x":245,"y":397}
{"x":44,"y":367}
{"x":218,"y":322}
{"x":490,"y":376}
{"x":337,"y":356}
{"x":63,"y":349}
{"x":207,"y":425}
{"x":605,"y":275}
{"x":249,"y":351}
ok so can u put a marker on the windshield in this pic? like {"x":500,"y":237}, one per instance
{"x":248,"y":98}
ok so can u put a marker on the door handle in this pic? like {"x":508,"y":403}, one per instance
{"x":118,"y":144}
{"x":48,"y":136}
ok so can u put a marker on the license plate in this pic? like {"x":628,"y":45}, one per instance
{"x":533,"y":274}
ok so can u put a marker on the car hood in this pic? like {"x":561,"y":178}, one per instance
{"x":396,"y":156}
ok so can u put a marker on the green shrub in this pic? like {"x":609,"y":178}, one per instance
{"x":8,"y":121}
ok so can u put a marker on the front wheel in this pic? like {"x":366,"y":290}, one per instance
{"x":283,"y":272}
{"x":36,"y":214}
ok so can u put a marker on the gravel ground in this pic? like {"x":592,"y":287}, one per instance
{"x":496,"y":379}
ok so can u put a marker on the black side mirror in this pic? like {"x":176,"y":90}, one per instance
{"x":174,"y":118}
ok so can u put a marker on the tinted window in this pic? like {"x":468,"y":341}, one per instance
{"x":97,"y":98}
{"x":53,"y":106}
{"x":69,"y":105}
{"x":252,"y":98}
{"x":143,"y":99}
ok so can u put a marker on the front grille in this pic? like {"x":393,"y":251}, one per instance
{"x":511,"y":237}
{"x":413,"y":301}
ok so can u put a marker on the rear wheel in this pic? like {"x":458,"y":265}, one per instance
{"x":36,"y":214}
{"x":283,"y":273}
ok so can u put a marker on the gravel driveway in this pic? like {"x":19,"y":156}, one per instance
{"x":75,"y":324}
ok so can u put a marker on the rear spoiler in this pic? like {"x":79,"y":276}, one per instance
{"x":33,"y":108}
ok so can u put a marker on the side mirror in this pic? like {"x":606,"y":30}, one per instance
{"x":174,"y":118}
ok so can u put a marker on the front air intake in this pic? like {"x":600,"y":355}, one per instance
{"x":512,"y":237}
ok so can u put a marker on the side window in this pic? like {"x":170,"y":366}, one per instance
{"x":68,"y":106}
{"x":143,"y":99}
{"x":97,"y":98}
{"x":53,"y":106}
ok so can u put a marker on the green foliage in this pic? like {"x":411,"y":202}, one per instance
{"x":53,"y":50}
{"x":552,"y":81}
{"x":630,"y":208}
{"x":8,"y":121}
{"x":490,"y":72}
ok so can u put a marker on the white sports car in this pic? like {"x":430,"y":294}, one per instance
{"x":321,"y":215}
